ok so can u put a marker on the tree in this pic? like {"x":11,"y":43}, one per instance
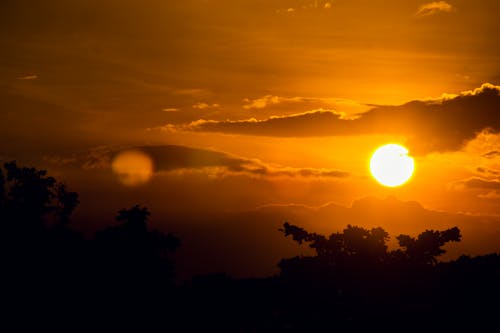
{"x":357,"y":249}
{"x":66,"y":203}
{"x":31,"y":201}
{"x":43,"y":256}
{"x":353,"y":242}
{"x":2,"y":189}
{"x":131,"y":247}
{"x":428,"y":245}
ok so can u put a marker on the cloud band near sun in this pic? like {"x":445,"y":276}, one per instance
{"x":442,"y":124}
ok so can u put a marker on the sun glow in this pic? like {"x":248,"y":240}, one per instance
{"x":132,"y":167}
{"x":391,"y":166}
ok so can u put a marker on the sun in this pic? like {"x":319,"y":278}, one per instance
{"x":391,"y":166}
{"x":133,"y":167}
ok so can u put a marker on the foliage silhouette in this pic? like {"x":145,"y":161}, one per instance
{"x":427,"y":246}
{"x":130,"y":247}
{"x":31,"y":201}
{"x":370,"y":245}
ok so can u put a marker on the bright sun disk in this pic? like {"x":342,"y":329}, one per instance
{"x":391,"y":166}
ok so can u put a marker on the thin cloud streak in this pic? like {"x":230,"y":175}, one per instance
{"x":434,"y":8}
{"x":28,"y":77}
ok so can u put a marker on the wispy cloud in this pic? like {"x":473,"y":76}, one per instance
{"x":495,"y":195}
{"x":487,"y":171}
{"x":476,"y":183}
{"x":197,"y":92}
{"x":316,"y":4}
{"x":491,"y":154}
{"x":488,"y":188}
{"x":433,"y":8}
{"x":284,"y":11}
{"x":203,"y":105}
{"x":260,"y":103}
{"x":28,"y":77}
{"x":346,"y":108}
{"x":171,"y":110}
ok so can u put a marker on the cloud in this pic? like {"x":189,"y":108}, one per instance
{"x":28,"y":77}
{"x":203,"y":105}
{"x":197,"y":92}
{"x":489,"y":195}
{"x":433,"y":8}
{"x":313,"y":123}
{"x":441,"y":124}
{"x":288,"y":10}
{"x":316,"y":4}
{"x":488,"y":188}
{"x":170,"y":110}
{"x":476,"y":183}
{"x":487,"y":171}
{"x":175,"y":158}
{"x":345,"y":107}
{"x":300,"y":172}
{"x":263,"y":102}
{"x":492,"y":154}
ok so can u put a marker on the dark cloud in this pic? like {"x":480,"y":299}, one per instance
{"x":492,"y":154}
{"x":167,"y":158}
{"x":316,"y":123}
{"x":173,"y":157}
{"x":484,"y":188}
{"x":485,"y":170}
{"x":479,"y":183}
{"x":430,"y":125}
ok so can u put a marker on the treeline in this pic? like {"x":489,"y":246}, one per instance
{"x":124,"y":275}
{"x":52,"y":273}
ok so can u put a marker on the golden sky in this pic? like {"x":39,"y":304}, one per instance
{"x":259,"y":110}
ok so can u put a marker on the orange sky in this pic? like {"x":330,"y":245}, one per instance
{"x":246,"y":105}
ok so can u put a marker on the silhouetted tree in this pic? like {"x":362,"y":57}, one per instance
{"x":31,"y":200}
{"x":2,"y":191}
{"x":353,"y":242}
{"x":66,"y":203}
{"x":43,"y":256}
{"x":135,"y":218}
{"x":428,"y":245}
{"x":131,"y":247}
{"x":369,"y":246}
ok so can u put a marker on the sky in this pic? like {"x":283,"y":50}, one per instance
{"x":227,"y":118}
